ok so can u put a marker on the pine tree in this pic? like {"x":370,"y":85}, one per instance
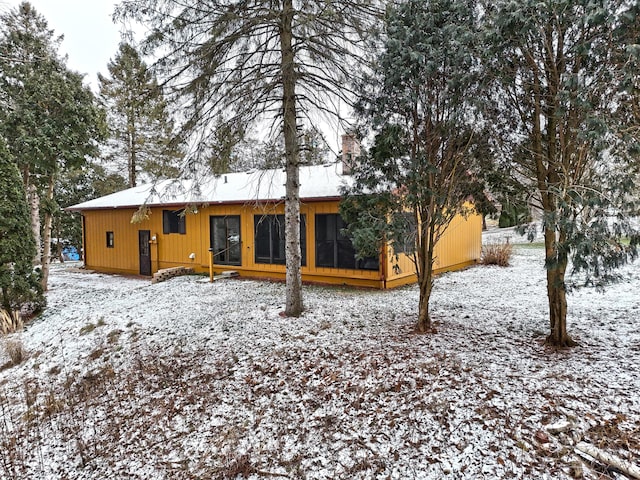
{"x":19,"y":284}
{"x":49,"y":119}
{"x":141,"y":130}
{"x":269,"y":61}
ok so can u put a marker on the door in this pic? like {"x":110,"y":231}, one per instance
{"x":144,"y":237}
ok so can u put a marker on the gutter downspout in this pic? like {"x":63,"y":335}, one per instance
{"x":384,"y":269}
{"x":211,"y":265}
{"x":84,"y":240}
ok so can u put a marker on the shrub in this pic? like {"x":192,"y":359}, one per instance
{"x":10,"y":321}
{"x":20,"y":284}
{"x":497,"y":254}
{"x":15,"y":350}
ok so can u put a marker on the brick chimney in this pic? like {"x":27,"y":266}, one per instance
{"x":350,"y":152}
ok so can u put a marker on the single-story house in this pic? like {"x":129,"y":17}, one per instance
{"x":235,"y":222}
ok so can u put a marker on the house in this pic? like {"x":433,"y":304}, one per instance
{"x":235,"y":222}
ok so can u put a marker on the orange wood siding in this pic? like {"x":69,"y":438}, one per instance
{"x":462,"y":246}
{"x":123,"y":257}
{"x":459,"y":247}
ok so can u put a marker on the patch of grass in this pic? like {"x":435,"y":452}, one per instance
{"x":90,"y":327}
{"x":497,"y":254}
{"x":531,"y":245}
{"x":235,"y":465}
{"x":113,"y":336}
{"x":97,"y":353}
{"x":15,"y":350}
{"x":10,"y":322}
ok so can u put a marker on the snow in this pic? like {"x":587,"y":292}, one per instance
{"x":316,"y":181}
{"x":191,"y":379}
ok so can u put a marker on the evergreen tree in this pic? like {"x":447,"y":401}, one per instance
{"x":141,"y":130}
{"x":19,"y":285}
{"x":259,"y":61}
{"x":561,"y":83}
{"x":419,"y":107}
{"x":248,"y":153}
{"x":50,"y":120}
{"x":78,"y":185}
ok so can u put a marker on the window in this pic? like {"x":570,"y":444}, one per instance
{"x":270,"y":239}
{"x":173,"y":221}
{"x":225,"y":239}
{"x":109,"y":239}
{"x":335,"y":250}
{"x":405,"y":240}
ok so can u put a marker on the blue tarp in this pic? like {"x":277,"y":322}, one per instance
{"x":70,"y":253}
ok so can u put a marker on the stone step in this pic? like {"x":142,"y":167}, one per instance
{"x":167,"y":273}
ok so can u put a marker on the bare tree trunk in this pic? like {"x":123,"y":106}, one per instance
{"x":59,"y":254}
{"x":46,"y":247}
{"x":424,"y":318}
{"x":293,"y":254}
{"x":426,"y":278}
{"x":132,"y":155}
{"x":557,"y":293}
{"x":34,"y":207}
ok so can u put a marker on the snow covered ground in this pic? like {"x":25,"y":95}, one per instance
{"x":186,"y":379}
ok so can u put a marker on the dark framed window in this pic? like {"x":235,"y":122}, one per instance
{"x":335,"y":250}
{"x":269,"y":233}
{"x":225,"y":239}
{"x":174,"y":221}
{"x":109,"y":239}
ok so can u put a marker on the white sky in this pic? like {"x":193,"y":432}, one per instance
{"x":90,"y":37}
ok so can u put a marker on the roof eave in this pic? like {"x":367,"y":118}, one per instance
{"x":184,"y":204}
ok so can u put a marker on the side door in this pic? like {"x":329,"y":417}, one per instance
{"x":144,"y":237}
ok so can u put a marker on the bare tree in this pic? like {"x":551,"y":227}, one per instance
{"x":274,"y":61}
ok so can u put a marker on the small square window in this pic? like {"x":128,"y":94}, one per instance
{"x":109,"y":239}
{"x":173,"y":221}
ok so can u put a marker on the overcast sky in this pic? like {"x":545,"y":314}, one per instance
{"x":90,"y":37}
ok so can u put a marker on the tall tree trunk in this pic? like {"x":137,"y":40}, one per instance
{"x":426,"y":278}
{"x":34,"y":207}
{"x":132,"y":160}
{"x":556,"y":292}
{"x":59,"y":246}
{"x":46,"y":246}
{"x":293,"y":254}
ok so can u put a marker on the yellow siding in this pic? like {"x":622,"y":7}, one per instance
{"x":123,"y":257}
{"x":458,"y":248}
{"x":460,"y":245}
